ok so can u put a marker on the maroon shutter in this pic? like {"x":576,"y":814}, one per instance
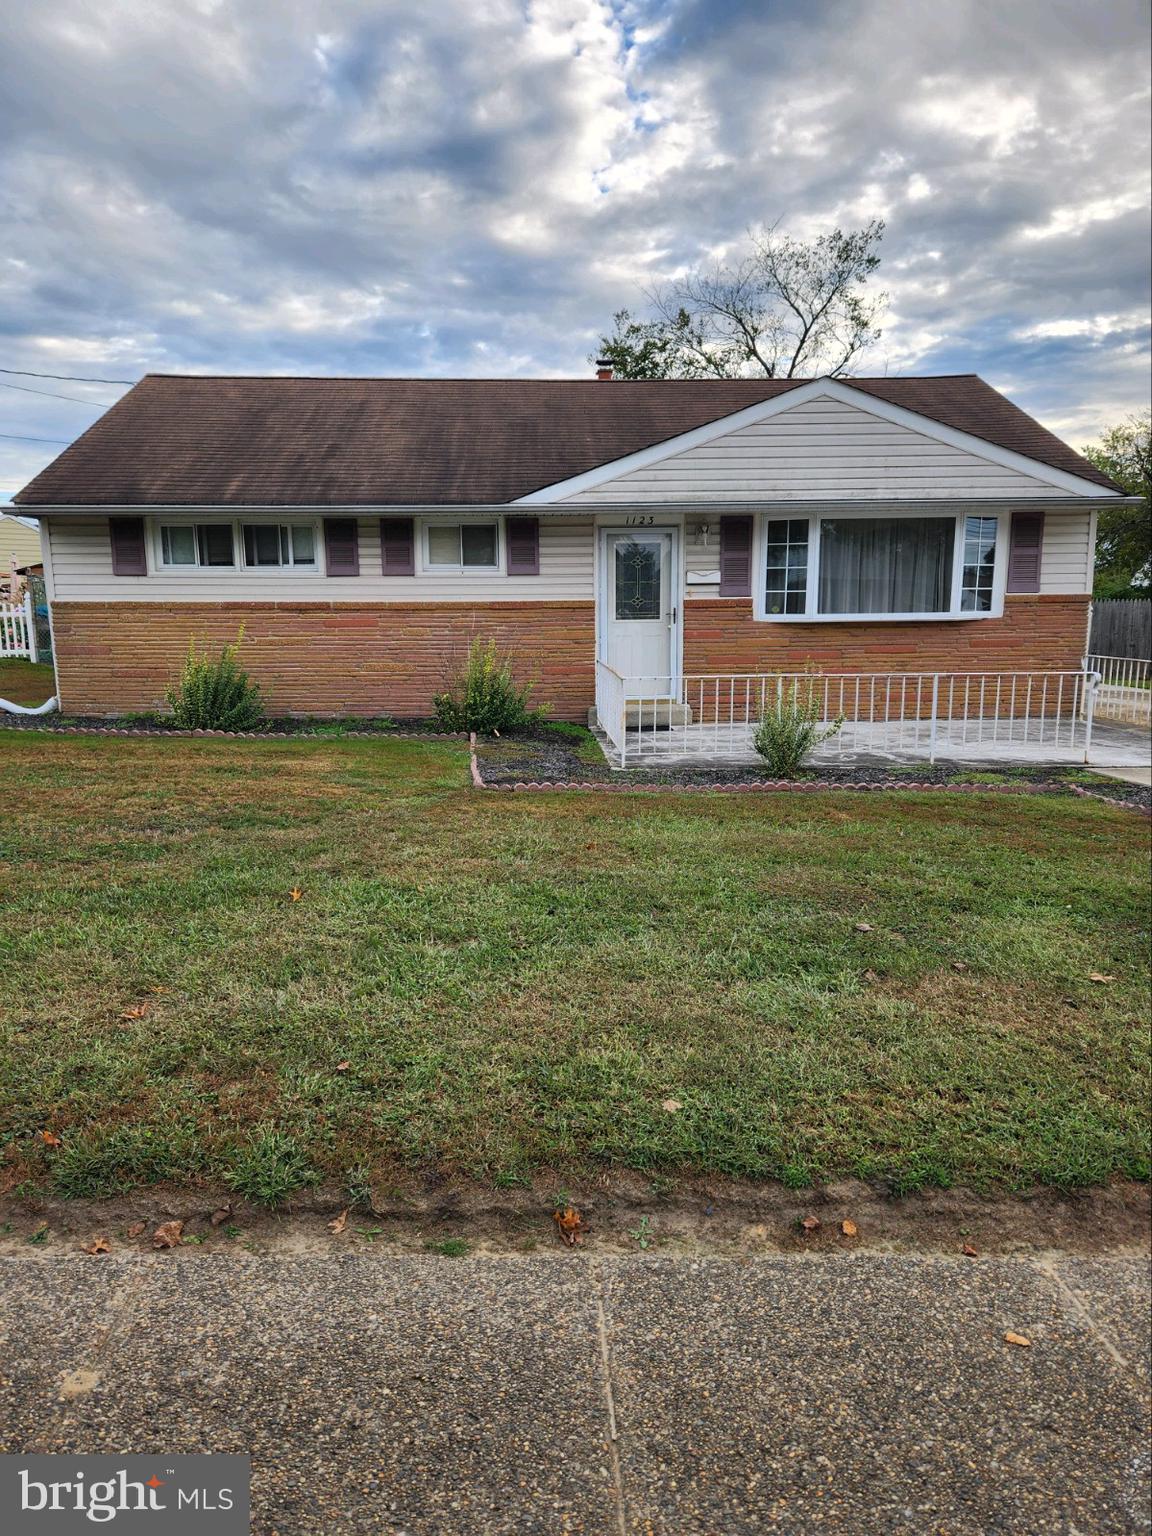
{"x":398,"y":546}
{"x":341,"y":546}
{"x":735,"y":557}
{"x":129,"y":554}
{"x":1024,"y":551}
{"x":523,"y":535}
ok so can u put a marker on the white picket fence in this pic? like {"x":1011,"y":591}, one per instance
{"x":18,"y":629}
{"x":1006,"y":715}
{"x":1125,"y":690}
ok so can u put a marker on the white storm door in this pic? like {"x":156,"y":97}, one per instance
{"x":639,"y":602}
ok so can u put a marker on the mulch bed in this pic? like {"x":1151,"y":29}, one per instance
{"x":549,"y":764}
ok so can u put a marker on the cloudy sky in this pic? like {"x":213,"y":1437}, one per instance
{"x":471,"y":187}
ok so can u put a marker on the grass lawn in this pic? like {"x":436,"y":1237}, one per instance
{"x":497,"y":984}
{"x":26,"y":682}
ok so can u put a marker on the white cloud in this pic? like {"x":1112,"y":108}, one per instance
{"x":340,"y":186}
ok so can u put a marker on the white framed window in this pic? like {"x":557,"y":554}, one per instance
{"x":881,"y":565}
{"x":188,"y":546}
{"x":459,"y":547}
{"x":294,"y":545}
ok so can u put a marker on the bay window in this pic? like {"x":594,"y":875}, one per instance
{"x":887,"y":566}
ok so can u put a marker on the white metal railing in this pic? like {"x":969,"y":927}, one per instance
{"x":18,"y":629}
{"x":610,"y":710}
{"x":927,"y":714}
{"x":1125,"y":691}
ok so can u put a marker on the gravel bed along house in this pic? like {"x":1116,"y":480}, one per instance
{"x":545,"y":760}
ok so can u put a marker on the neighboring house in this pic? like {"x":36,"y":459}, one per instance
{"x":363,"y":530}
{"x":19,"y":547}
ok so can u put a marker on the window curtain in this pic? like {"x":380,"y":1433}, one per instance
{"x":886,"y":565}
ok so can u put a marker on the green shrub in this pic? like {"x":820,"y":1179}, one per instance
{"x":484,"y":696}
{"x":215,"y":694}
{"x":790,"y":728}
{"x":269,"y":1167}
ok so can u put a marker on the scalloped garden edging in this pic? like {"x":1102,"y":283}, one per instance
{"x":755,"y":786}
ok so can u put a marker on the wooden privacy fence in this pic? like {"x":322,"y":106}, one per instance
{"x":1122,"y":626}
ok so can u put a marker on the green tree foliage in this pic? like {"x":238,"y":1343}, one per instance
{"x":788,"y":308}
{"x":1124,"y":534}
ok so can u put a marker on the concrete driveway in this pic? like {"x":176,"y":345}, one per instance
{"x":869,"y":1393}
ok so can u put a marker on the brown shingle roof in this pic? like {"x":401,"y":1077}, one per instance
{"x":209,"y":441}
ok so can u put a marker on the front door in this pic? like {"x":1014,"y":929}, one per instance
{"x":638,"y":603}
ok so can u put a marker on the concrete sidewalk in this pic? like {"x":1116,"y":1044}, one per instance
{"x":626,"y":1395}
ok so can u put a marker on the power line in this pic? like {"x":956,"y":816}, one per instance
{"x":75,"y":378}
{"x":20,"y":437}
{"x":93,"y":405}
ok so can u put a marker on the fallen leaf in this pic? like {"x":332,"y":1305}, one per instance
{"x":959,"y":965}
{"x":167,"y":1234}
{"x":295,"y":893}
{"x":569,"y":1224}
{"x":338,"y":1226}
{"x":863,"y":927}
{"x":811,"y":1223}
{"x":50,"y":1139}
{"x":219,"y":1217}
{"x":159,"y":991}
{"x":136,"y":1229}
{"x":849,"y":1228}
{"x":1016,"y":1338}
{"x":343,"y":1066}
{"x":969,"y":1252}
{"x":1099,"y":977}
{"x":137,"y":1011}
{"x":97,"y":1245}
{"x":671,"y":1105}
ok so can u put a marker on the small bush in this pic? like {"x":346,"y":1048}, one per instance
{"x":484,"y":696}
{"x":790,"y":728}
{"x":215,"y":694}
{"x":269,"y":1167}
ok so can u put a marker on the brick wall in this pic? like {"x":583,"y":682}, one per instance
{"x":320,"y":658}
{"x":340,"y":659}
{"x":1036,"y":633}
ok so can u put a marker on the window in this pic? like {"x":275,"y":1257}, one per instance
{"x":839,"y":567}
{"x":787,"y":585}
{"x":292,"y":544}
{"x":979,"y":564}
{"x":194,"y":544}
{"x":886,"y":564}
{"x":463,"y":546}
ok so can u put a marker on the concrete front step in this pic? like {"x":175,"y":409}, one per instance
{"x":652,"y":714}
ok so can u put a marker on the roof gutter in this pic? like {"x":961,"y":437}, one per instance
{"x":712,"y":506}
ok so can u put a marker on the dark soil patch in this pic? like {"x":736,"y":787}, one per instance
{"x":623,"y":1213}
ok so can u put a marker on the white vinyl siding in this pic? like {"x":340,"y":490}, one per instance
{"x":1066,"y":554}
{"x":82,"y":572}
{"x":822,"y":449}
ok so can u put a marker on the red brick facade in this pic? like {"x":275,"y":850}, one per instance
{"x":343,"y":659}
{"x":1036,"y":633}
{"x":321,"y":658}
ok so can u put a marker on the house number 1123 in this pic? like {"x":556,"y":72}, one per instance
{"x":639,"y":522}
